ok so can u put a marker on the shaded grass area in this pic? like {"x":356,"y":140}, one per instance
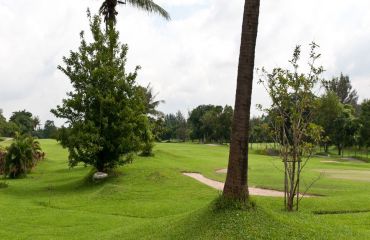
{"x":151,"y":199}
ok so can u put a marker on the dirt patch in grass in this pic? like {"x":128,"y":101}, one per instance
{"x":355,"y":175}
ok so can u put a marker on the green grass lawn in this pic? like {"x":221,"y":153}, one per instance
{"x":151,"y":199}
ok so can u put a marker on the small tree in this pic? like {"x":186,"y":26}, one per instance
{"x":291,"y":112}
{"x":21,"y":156}
{"x":105,"y":111}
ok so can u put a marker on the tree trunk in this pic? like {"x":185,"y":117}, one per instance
{"x":339,"y":150}
{"x":236,"y":185}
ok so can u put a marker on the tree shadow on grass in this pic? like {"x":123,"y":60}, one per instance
{"x":37,"y":186}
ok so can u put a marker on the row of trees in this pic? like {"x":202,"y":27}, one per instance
{"x":22,"y":122}
{"x":345,"y":122}
{"x":25,"y":123}
{"x":206,"y":123}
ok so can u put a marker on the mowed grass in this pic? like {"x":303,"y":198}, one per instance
{"x":151,"y":199}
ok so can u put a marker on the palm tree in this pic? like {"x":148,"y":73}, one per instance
{"x":236,"y":185}
{"x":151,"y":102}
{"x":108,"y":8}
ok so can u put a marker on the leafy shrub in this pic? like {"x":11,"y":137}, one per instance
{"x":22,"y":155}
{"x":147,"y":146}
{"x":147,"y":149}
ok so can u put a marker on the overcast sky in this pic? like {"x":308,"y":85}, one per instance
{"x":190,"y":60}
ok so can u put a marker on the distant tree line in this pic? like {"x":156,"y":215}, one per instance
{"x":344,"y":121}
{"x":205,"y":124}
{"x":25,"y":123}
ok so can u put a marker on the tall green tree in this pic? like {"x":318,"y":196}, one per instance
{"x":195,"y":120}
{"x":170,"y":126}
{"x":210,"y":123}
{"x":105,"y":111}
{"x":345,"y":129}
{"x":236,"y":185}
{"x":328,"y":111}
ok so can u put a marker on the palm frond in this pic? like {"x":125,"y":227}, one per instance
{"x":149,"y":6}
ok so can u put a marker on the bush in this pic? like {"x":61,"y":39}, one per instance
{"x":147,"y":150}
{"x":147,"y":146}
{"x":22,"y":155}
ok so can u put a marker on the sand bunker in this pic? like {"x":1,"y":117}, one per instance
{"x":220,"y":186}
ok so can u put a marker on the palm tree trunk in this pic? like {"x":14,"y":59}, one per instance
{"x":236,"y":185}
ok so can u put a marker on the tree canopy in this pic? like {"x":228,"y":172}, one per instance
{"x":25,"y":121}
{"x":342,"y":87}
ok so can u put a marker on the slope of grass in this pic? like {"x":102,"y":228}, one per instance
{"x":151,"y":199}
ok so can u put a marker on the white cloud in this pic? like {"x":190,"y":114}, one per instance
{"x":190,"y":60}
